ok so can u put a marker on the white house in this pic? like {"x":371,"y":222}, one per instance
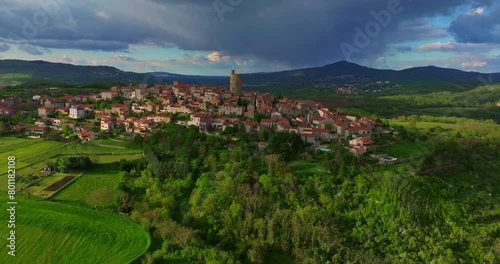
{"x":76,"y":112}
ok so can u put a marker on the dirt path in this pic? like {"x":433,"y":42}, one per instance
{"x":109,"y":146}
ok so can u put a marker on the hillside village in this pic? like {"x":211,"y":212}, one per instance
{"x":142,"y":109}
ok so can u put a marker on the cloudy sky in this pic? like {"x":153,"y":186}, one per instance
{"x":210,"y":37}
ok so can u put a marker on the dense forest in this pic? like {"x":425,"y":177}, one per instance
{"x":210,"y":199}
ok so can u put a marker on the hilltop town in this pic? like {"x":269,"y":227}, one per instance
{"x":142,"y":109}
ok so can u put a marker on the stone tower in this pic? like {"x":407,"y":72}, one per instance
{"x":236,"y":83}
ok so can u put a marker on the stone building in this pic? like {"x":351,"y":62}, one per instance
{"x":236,"y":83}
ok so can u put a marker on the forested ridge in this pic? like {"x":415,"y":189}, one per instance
{"x":210,"y":199}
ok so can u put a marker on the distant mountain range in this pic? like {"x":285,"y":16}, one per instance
{"x":344,"y":71}
{"x":18,"y":71}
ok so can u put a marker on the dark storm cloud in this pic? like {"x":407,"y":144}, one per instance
{"x":30,"y":49}
{"x":293,"y":32}
{"x":477,"y":28}
{"x":4,"y":47}
{"x":404,"y":49}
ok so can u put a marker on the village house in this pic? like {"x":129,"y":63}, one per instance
{"x":87,"y":135}
{"x":120,"y":109}
{"x":10,"y":101}
{"x":321,"y":122}
{"x":55,"y":103}
{"x":108,"y":95}
{"x":361,"y":141}
{"x":7,"y":111}
{"x":178,"y":109}
{"x":358,"y":151}
{"x":18,"y":128}
{"x":250,"y":127}
{"x":161,"y":117}
{"x":231,"y":109}
{"x":76,"y":112}
{"x":322,"y":134}
{"x":36,"y":131}
{"x":107,"y":124}
{"x":45,"y":111}
{"x":200,"y":120}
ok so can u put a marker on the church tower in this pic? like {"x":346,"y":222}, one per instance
{"x":236,"y":83}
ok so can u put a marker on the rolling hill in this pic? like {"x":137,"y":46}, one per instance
{"x":345,"y":71}
{"x":18,"y":71}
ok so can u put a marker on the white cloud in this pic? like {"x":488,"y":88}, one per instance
{"x":471,"y":48}
{"x":214,"y":57}
{"x":477,"y":11}
{"x":474,"y":64}
{"x":437,"y":46}
{"x":122,"y":58}
{"x":103,"y":15}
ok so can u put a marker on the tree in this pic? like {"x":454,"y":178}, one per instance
{"x":62,"y":164}
{"x":46,"y":131}
{"x":123,"y":202}
{"x":53,"y":135}
{"x":66,"y":129}
{"x":243,"y":102}
{"x":4,"y":129}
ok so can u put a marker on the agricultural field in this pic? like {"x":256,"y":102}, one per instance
{"x":92,"y":148}
{"x":406,"y":149}
{"x":109,"y":142}
{"x":41,"y":189}
{"x":424,"y":124}
{"x":25,"y":150}
{"x":306,"y":169}
{"x":14,"y":78}
{"x":57,"y":233}
{"x":32,"y":155}
{"x":98,"y":186}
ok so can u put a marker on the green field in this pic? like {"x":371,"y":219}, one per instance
{"x":109,"y":142}
{"x":57,"y":233}
{"x":102,"y":177}
{"x":33,"y":154}
{"x":14,"y":78}
{"x":405,"y":149}
{"x":25,"y":151}
{"x":38,"y":189}
{"x":91,"y":148}
{"x":424,"y":124}
{"x":306,"y":169}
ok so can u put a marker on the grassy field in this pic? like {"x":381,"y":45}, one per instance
{"x":305,"y":168}
{"x":49,"y":232}
{"x":38,"y":189}
{"x":422,"y":124}
{"x":32,"y":155}
{"x":14,"y":78}
{"x":109,"y":142}
{"x":90,"y":148}
{"x":25,"y":151}
{"x":101,"y":178}
{"x":405,"y":149}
